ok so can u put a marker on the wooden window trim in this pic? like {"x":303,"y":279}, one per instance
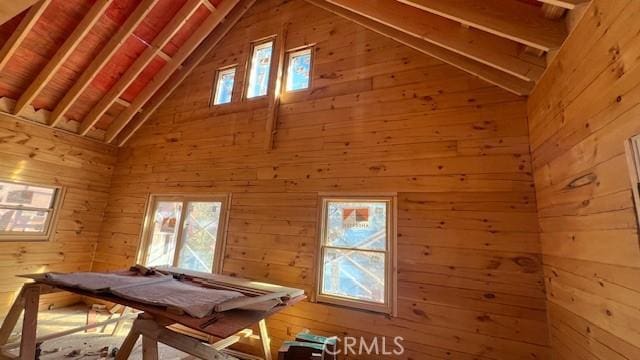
{"x":50,"y":225}
{"x":633,"y":161}
{"x":391,"y":263}
{"x":146,"y":231}
{"x":216,"y":79}
{"x":289,"y":55}
{"x":247,"y":75}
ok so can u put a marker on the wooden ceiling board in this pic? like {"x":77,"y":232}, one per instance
{"x":86,"y":51}
{"x":10,"y":26}
{"x":187,"y":29}
{"x":157,"y":19}
{"x":107,"y":77}
{"x":143,"y":79}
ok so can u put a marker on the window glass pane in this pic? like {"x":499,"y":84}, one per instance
{"x":357,"y":224}
{"x":23,"y":221}
{"x":224,"y":87}
{"x":26,"y":195}
{"x":260,"y":66}
{"x":354,"y":274}
{"x":164,"y":229}
{"x":298,"y":70}
{"x":199,"y":236}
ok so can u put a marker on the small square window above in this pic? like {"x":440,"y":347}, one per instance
{"x":299,"y":70}
{"x":224,"y":86}
{"x":260,"y":69}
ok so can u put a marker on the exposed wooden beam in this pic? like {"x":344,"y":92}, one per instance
{"x":9,"y":9}
{"x":567,"y":4}
{"x":510,"y":19}
{"x":101,"y":59}
{"x":63,"y":53}
{"x":500,"y":53}
{"x":21,"y":32}
{"x":40,"y":117}
{"x":496,"y":77}
{"x":552,"y":12}
{"x":140,"y":64}
{"x":276,"y":85}
{"x":169,"y":68}
{"x":207,"y":46}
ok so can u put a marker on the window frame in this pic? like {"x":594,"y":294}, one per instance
{"x":216,"y":80}
{"x":51,"y":222}
{"x":391,"y":265}
{"x":290,"y":53}
{"x":147,"y":231}
{"x":633,"y":162}
{"x":247,"y":81}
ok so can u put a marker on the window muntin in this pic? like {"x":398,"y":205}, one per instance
{"x":298,"y":70}
{"x":260,"y":69}
{"x":356,"y":252}
{"x":185,"y":232}
{"x":223,"y":91}
{"x":27,"y":211}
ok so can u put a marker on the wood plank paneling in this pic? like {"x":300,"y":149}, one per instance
{"x":583,"y":110}
{"x":32,"y":153}
{"x":379,"y":117}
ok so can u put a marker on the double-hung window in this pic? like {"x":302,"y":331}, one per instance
{"x":357,"y":243}
{"x":185,"y":232}
{"x":27,"y":212}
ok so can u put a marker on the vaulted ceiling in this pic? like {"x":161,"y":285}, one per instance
{"x":99,"y":68}
{"x":92,"y":66}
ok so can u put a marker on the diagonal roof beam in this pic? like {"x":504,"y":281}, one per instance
{"x":510,"y":83}
{"x":489,"y":49}
{"x":163,"y":75}
{"x":101,"y":59}
{"x":62,"y":54}
{"x":207,"y":46}
{"x":167,"y":33}
{"x":567,"y":4}
{"x":10,"y":9}
{"x":18,"y":35}
{"x":509,"y":19}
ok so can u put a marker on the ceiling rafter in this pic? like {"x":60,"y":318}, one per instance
{"x":567,"y":4}
{"x":489,"y":49}
{"x":496,"y":77}
{"x":18,"y":35}
{"x":510,"y":19}
{"x":162,"y":39}
{"x":63,"y":53}
{"x":9,"y":9}
{"x":101,"y":59}
{"x":207,"y":46}
{"x":213,"y":20}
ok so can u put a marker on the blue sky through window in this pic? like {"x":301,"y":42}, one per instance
{"x":260,"y":68}
{"x":299,"y":70}
{"x":224,"y":87}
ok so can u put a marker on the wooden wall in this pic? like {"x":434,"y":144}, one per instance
{"x":32,"y":153}
{"x":581,"y":113}
{"x":380,"y":117}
